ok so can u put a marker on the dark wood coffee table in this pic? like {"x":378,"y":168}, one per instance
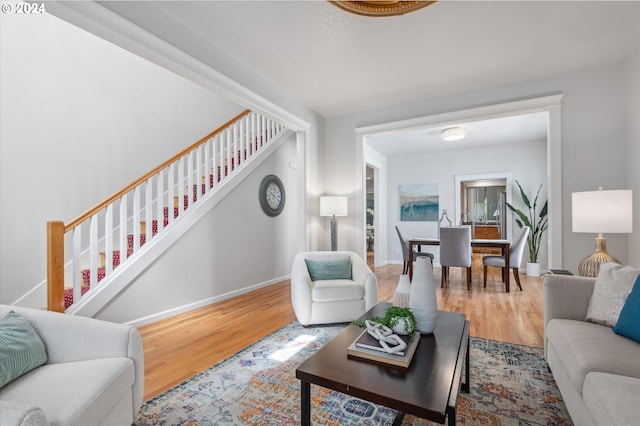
{"x":428,"y":389}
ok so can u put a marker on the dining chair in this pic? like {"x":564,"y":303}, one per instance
{"x":515,"y":259}
{"x":455,"y":250}
{"x":405,"y":252}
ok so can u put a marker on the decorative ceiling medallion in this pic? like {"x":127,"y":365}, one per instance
{"x":380,"y":8}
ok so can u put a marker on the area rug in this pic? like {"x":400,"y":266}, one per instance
{"x":510,"y":385}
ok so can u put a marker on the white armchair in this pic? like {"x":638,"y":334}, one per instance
{"x":94,"y":374}
{"x":333,"y":300}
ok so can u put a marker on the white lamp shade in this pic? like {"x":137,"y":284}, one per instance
{"x":333,"y":206}
{"x":606,"y":212}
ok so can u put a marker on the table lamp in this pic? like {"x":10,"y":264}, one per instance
{"x":601,"y":212}
{"x":333,"y":206}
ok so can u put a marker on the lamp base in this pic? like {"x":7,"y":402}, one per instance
{"x":334,"y":234}
{"x":590,"y":265}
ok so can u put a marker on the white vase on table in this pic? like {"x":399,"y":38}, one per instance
{"x":422,"y":296}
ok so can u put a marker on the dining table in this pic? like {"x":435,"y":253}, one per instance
{"x":503,"y":245}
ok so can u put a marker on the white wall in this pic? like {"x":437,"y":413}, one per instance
{"x":594,"y":142}
{"x":633,"y":159}
{"x":526,"y":162}
{"x":81,"y":118}
{"x":235,"y":247}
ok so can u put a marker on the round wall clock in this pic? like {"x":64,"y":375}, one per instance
{"x":272,"y":196}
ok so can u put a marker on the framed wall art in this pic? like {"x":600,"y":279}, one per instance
{"x":419,"y":202}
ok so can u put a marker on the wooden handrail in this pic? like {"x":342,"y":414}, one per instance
{"x":77,"y":221}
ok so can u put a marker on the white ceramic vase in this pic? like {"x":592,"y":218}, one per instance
{"x":533,"y":269}
{"x":401,"y":297}
{"x":422,"y":296}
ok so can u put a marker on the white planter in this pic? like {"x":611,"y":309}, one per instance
{"x":533,"y":269}
{"x":422,"y":296}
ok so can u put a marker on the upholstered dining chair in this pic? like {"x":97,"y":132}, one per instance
{"x":515,"y":259}
{"x":405,"y":252}
{"x":455,"y":250}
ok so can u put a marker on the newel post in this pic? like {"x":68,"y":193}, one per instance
{"x":55,"y":266}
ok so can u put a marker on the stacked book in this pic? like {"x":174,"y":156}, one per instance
{"x":368,"y":348}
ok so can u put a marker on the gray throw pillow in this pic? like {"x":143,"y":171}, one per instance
{"x":613,"y":285}
{"x":22,"y":348}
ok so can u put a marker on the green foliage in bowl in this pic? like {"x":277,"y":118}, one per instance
{"x":391,"y":318}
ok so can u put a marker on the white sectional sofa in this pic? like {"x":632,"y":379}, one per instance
{"x":597,"y":371}
{"x":94,"y":374}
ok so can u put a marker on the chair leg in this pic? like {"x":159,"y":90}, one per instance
{"x":516,"y":275}
{"x":469,"y":278}
{"x":405,"y":266}
{"x":485,"y":275}
{"x":444,"y":277}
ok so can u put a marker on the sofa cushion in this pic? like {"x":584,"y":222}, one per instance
{"x":22,"y":348}
{"x":612,"y":399}
{"x":332,"y":269}
{"x":586,"y":347}
{"x":75,"y":393}
{"x":628,"y":324}
{"x":613,"y":285}
{"x":332,"y":290}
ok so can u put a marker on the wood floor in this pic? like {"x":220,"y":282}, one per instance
{"x":179,"y":347}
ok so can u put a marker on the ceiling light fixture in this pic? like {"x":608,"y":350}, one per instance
{"x":454,"y":134}
{"x":381,"y":8}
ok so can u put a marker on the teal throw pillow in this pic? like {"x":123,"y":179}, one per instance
{"x":628,"y":324}
{"x":338,"y":269}
{"x":22,"y":348}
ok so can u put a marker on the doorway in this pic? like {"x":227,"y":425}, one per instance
{"x":370,"y":214}
{"x":550,"y":105}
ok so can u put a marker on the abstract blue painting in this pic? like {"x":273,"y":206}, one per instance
{"x":419,"y":202}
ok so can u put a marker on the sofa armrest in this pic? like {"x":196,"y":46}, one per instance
{"x":301,"y":289}
{"x":566,"y":296}
{"x":362,"y":274}
{"x":69,"y":338}
{"x":14,"y":413}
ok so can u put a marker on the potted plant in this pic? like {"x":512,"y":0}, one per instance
{"x":536,"y":222}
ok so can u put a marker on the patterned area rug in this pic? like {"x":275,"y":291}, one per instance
{"x":510,"y":385}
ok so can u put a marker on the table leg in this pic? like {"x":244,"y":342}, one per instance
{"x":410,"y":260}
{"x":399,"y":418}
{"x":451,"y":416}
{"x":305,"y":403}
{"x":507,"y":268}
{"x":467,"y":382}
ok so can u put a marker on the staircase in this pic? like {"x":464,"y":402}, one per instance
{"x":107,"y":241}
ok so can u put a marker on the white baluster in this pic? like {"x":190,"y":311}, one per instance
{"x":171,"y":191}
{"x":148,"y":198}
{"x":77,"y":263}
{"x":136,"y":218}
{"x":108,"y":239}
{"x":207,"y":165}
{"x":190,"y":177}
{"x":236,"y":157}
{"x":199,"y":174}
{"x":228,"y":153}
{"x":181,"y":205}
{"x":93,"y":250}
{"x":160,"y":200}
{"x":123,"y":228}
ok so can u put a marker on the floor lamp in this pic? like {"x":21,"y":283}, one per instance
{"x":333,"y":206}
{"x":601,"y":212}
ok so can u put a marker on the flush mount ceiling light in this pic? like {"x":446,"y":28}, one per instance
{"x":454,"y":134}
{"x":380,"y":8}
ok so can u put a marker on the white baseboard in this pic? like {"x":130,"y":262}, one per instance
{"x":201,"y":303}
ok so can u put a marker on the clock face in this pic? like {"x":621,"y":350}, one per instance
{"x":271,"y":195}
{"x":274,"y":195}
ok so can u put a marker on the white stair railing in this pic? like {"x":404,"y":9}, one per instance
{"x":117,"y":230}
